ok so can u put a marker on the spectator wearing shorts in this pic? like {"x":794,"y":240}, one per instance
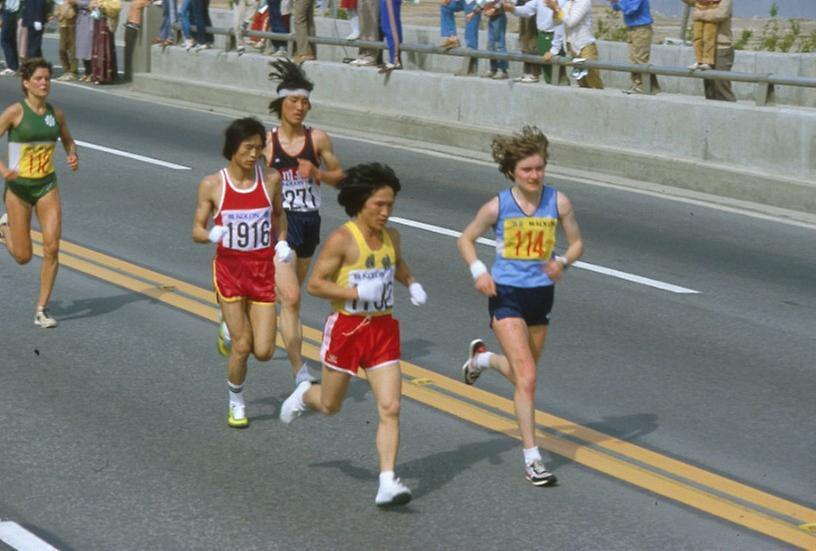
{"x":356,"y":270}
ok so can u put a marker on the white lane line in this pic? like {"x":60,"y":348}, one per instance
{"x":142,"y":158}
{"x":19,"y":538}
{"x":579,"y":264}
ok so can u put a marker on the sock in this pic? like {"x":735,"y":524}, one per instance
{"x":386,"y":476}
{"x":483,"y":360}
{"x":531,"y":454}
{"x":236,"y":393}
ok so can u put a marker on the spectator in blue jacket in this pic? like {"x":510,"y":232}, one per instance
{"x":638,"y":20}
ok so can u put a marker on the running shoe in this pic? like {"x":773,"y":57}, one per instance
{"x":236,"y":418}
{"x":3,"y":227}
{"x":538,"y":474}
{"x":471,"y":371}
{"x":224,"y":340}
{"x":44,"y":319}
{"x":392,"y":493}
{"x":293,"y":406}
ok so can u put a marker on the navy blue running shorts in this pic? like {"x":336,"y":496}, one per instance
{"x":303,"y":232}
{"x":532,"y":304}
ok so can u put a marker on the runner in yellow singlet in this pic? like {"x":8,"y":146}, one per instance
{"x":33,"y":127}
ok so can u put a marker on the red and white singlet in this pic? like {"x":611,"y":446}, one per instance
{"x":247,"y":215}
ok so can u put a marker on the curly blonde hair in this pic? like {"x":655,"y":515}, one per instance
{"x":509,"y":150}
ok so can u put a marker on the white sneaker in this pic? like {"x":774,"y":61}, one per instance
{"x":694,"y":66}
{"x":471,"y":371}
{"x":44,"y":320}
{"x":391,"y":493}
{"x":526,"y":78}
{"x":8,"y":72}
{"x":202,"y":47}
{"x":353,"y":36}
{"x":189,"y":44}
{"x":362,"y":62}
{"x":293,"y":406}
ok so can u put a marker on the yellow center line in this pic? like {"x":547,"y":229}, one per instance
{"x":168,"y":290}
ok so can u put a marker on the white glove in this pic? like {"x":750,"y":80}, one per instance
{"x":370,"y":291}
{"x":283,"y":252}
{"x":37,"y":26}
{"x":217,"y":233}
{"x":418,"y":294}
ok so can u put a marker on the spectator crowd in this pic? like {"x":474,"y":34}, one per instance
{"x":547,"y":28}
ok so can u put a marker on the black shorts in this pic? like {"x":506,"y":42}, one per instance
{"x":532,"y":304}
{"x":303,"y":233}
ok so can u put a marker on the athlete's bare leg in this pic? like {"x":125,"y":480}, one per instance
{"x":288,"y":287}
{"x":522,"y":346}
{"x":264,"y":329}
{"x":237,"y":320}
{"x":327,"y":397}
{"x":18,"y":234}
{"x":49,"y":214}
{"x":386,"y":384}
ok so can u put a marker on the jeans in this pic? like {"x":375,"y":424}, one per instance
{"x":276,"y":22}
{"x":496,"y":27}
{"x":201,"y":19}
{"x":186,"y":16}
{"x":447,"y":22}
{"x":169,"y":14}
{"x":8,"y":37}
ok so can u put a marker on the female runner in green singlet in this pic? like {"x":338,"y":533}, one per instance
{"x":33,"y":127}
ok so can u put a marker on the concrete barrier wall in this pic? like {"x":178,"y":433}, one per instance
{"x":755,"y":153}
{"x":675,"y":56}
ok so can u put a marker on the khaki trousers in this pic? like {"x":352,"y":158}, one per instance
{"x":640,"y":48}
{"x":593,"y":78}
{"x":303,"y":21}
{"x":67,"y":48}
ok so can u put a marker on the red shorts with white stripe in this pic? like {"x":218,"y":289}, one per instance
{"x":351,"y":342}
{"x":236,"y":278}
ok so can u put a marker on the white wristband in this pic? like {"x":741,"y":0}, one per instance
{"x":477,"y":268}
{"x":563,"y":261}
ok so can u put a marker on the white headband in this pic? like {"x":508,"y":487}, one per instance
{"x":283,"y":92}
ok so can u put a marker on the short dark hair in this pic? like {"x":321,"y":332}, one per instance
{"x":240,"y":130}
{"x":291,"y":76}
{"x":30,"y":66}
{"x":509,"y":150}
{"x":361,"y":182}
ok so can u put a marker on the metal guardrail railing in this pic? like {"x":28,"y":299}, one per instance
{"x":764,"y":91}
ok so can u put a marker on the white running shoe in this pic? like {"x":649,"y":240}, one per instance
{"x":538,"y":474}
{"x":391,"y":493}
{"x":293,"y":406}
{"x":471,"y":371}
{"x":43,"y":319}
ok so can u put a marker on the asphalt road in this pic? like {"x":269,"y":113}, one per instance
{"x":113,"y":432}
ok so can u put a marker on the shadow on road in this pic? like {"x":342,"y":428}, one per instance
{"x":90,"y":307}
{"x":432,"y":472}
{"x":629,"y":428}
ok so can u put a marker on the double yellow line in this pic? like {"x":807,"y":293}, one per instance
{"x":692,"y":486}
